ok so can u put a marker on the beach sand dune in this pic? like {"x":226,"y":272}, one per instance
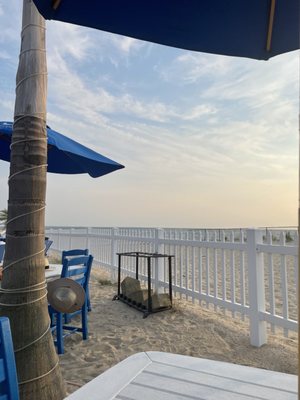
{"x":117,"y":331}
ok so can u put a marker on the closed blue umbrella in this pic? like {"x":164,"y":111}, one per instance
{"x":65,"y":156}
{"x":257,"y":29}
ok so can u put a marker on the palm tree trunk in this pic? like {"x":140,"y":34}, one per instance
{"x":23,"y":294}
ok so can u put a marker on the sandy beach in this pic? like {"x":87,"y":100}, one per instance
{"x":117,"y":331}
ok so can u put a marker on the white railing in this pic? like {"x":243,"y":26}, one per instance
{"x":252,"y":273}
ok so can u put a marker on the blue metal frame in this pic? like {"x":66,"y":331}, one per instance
{"x":2,"y":251}
{"x":8,"y":375}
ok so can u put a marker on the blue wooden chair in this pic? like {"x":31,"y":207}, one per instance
{"x":2,"y":250}
{"x":8,"y":375}
{"x":48,"y":243}
{"x":75,"y":253}
{"x":79,"y":269}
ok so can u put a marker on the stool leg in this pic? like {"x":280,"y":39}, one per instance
{"x":84,"y":321}
{"x":88,"y":300}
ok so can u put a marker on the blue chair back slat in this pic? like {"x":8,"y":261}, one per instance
{"x":80,"y":274}
{"x":2,"y":250}
{"x":48,"y":243}
{"x":9,"y":382}
{"x":73,"y":272}
{"x":75,"y":260}
{"x":74,"y":253}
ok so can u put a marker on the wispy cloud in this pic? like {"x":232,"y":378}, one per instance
{"x":87,"y":44}
{"x":199,"y":112}
{"x":255,"y":80}
{"x":75,"y":41}
{"x":4,"y":55}
{"x":126,"y":44}
{"x":10,"y":22}
{"x":189,"y":68}
{"x":74,"y":95}
{"x":224,"y":140}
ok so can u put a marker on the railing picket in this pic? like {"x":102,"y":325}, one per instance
{"x":223,"y":266}
{"x":181,"y":269}
{"x":200,"y":272}
{"x":215,"y":260}
{"x":193,"y":272}
{"x":207,"y":277}
{"x":271,"y":281}
{"x":187,"y":272}
{"x":283,"y":273}
{"x":232,"y":274}
{"x":296,"y":279}
{"x":242,"y":275}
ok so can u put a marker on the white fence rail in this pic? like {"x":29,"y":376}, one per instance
{"x":252,"y":273}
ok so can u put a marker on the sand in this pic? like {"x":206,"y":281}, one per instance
{"x":117,"y":331}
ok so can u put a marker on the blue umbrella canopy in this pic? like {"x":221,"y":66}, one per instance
{"x":65,"y":156}
{"x":257,"y":29}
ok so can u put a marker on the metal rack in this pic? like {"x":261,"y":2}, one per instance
{"x":147,"y":308}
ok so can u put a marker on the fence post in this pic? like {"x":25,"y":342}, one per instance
{"x":258,"y":333}
{"x":159,"y":262}
{"x":58,"y":239}
{"x":113,"y":256}
{"x":70,"y":237}
{"x":87,"y":238}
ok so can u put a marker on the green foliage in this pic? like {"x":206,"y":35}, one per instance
{"x":288,"y":237}
{"x":3,"y":217}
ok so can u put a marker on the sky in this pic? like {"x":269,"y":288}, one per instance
{"x":207,"y":141}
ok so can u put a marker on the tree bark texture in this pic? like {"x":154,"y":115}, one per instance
{"x":23,"y":298}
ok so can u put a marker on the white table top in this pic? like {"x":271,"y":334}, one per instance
{"x":164,"y":376}
{"x":54,"y":271}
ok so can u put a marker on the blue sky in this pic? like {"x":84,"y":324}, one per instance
{"x":207,"y":141}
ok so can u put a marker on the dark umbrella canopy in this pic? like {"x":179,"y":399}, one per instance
{"x":65,"y":156}
{"x":257,"y":29}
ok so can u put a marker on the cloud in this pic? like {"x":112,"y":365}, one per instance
{"x":126,"y":44}
{"x":256,"y":81}
{"x":199,"y":112}
{"x":4,"y":55}
{"x":7,"y":104}
{"x":10,"y":19}
{"x":84,"y":45}
{"x":188,"y":68}
{"x":211,"y":137}
{"x":75,"y":41}
{"x":74,"y":95}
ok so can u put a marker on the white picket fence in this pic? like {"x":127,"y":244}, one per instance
{"x":252,"y":273}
